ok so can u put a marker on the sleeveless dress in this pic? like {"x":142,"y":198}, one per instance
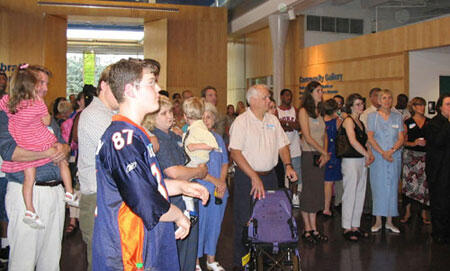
{"x":312,"y":199}
{"x":333,"y":166}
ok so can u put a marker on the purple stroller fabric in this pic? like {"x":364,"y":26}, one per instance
{"x":271,"y":220}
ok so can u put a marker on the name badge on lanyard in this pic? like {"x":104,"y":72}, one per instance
{"x":412,"y":125}
{"x":395,"y":126}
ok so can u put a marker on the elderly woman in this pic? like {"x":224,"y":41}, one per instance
{"x":414,"y":184}
{"x":314,"y":157}
{"x":354,"y":168}
{"x":211,"y":215}
{"x":172,"y":158}
{"x":385,"y":132}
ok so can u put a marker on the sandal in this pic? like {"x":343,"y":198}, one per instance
{"x":72,"y":199}
{"x":319,"y":237}
{"x":198,"y":268}
{"x":350,"y":236}
{"x":361,"y":234}
{"x":214,"y":266}
{"x":308,"y":237}
{"x":405,"y":219}
{"x":33,"y":220}
{"x":327,"y":215}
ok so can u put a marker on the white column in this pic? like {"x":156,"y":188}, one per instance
{"x":278,"y":24}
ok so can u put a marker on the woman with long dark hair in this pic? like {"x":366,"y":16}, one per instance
{"x":315,"y":156}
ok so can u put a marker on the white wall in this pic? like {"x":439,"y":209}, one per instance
{"x":351,"y":10}
{"x":236,"y":82}
{"x":425,"y":67}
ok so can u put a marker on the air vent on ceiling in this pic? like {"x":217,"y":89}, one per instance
{"x":334,"y":24}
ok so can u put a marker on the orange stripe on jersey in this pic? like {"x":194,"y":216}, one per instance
{"x":125,"y":119}
{"x":131,"y":229}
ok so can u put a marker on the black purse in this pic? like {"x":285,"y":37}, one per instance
{"x":343,"y":147}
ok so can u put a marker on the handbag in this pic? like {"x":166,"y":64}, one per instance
{"x":343,"y":147}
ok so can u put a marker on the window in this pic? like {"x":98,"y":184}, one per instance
{"x":75,"y":68}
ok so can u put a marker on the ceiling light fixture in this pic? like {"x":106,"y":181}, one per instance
{"x":99,"y":5}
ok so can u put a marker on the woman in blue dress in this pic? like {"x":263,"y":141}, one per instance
{"x":211,"y":215}
{"x":333,"y":166}
{"x":385,"y":132}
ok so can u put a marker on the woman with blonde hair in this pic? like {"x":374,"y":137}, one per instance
{"x":172,"y":158}
{"x":385,"y":132}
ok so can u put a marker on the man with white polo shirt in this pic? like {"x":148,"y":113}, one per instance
{"x":256,"y":140}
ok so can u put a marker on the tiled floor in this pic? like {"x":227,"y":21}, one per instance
{"x":410,"y":250}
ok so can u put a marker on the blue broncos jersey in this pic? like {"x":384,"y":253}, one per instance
{"x":131,"y":197}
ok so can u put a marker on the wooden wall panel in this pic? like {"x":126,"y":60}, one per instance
{"x":258,"y":50}
{"x":155,"y":46}
{"x":413,"y":37}
{"x":54,"y":55}
{"x":373,"y":60}
{"x":21,"y":38}
{"x":36,"y":39}
{"x":197,"y":52}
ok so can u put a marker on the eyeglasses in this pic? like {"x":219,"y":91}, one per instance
{"x":417,"y":104}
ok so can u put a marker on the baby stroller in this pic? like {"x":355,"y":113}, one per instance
{"x":272,"y":234}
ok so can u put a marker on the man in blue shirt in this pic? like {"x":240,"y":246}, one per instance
{"x":33,"y":249}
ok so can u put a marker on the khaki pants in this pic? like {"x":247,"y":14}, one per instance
{"x":88,"y":203}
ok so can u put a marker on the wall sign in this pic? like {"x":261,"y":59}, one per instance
{"x":7,"y":68}
{"x":324,"y":79}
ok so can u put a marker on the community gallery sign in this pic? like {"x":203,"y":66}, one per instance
{"x":326,"y":80}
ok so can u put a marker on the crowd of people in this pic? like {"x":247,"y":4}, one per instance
{"x":145,"y":175}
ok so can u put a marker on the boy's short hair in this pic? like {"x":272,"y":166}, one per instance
{"x":194,"y":108}
{"x":153,"y":65}
{"x":122,"y":73}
